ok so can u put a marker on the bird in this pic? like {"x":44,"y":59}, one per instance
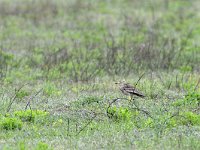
{"x":128,"y":89}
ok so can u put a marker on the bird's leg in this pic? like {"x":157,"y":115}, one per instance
{"x":132,"y":98}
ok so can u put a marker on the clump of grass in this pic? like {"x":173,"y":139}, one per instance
{"x":119,"y":114}
{"x":5,"y":61}
{"x":173,"y":120}
{"x":87,"y":101}
{"x":90,"y":99}
{"x":10,"y":123}
{"x":190,"y":99}
{"x":42,"y":146}
{"x":22,"y":145}
{"x":21,"y":94}
{"x":193,"y":97}
{"x":30,"y":115}
{"x":189,"y":118}
{"x":50,"y":89}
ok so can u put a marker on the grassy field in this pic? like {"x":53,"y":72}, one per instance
{"x":59,"y":61}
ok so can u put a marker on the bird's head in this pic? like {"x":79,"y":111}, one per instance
{"x":120,"y":82}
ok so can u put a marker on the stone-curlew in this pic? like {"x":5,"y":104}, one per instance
{"x":127,"y":89}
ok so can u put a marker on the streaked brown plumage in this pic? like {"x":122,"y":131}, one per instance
{"x":127,"y":89}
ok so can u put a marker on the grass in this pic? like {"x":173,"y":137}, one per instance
{"x":59,"y":61}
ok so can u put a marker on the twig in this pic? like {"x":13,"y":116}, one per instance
{"x":14,"y":97}
{"x":31,"y":98}
{"x":173,"y":115}
{"x":68,"y":127}
{"x":139,"y":80}
{"x":95,"y":115}
{"x":197,"y":85}
{"x":144,"y":111}
{"x":113,"y":101}
{"x":139,"y":109}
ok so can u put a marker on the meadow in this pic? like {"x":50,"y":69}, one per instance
{"x":59,"y":61}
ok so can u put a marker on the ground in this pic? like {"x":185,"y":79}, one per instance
{"x":59,"y":61}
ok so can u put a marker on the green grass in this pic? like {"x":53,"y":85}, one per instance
{"x":59,"y":61}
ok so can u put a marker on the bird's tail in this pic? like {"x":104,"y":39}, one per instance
{"x":140,"y":95}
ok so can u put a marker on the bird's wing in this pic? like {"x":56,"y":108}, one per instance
{"x":130,"y":89}
{"x":127,"y":85}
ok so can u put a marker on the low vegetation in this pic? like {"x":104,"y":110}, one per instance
{"x":59,"y":61}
